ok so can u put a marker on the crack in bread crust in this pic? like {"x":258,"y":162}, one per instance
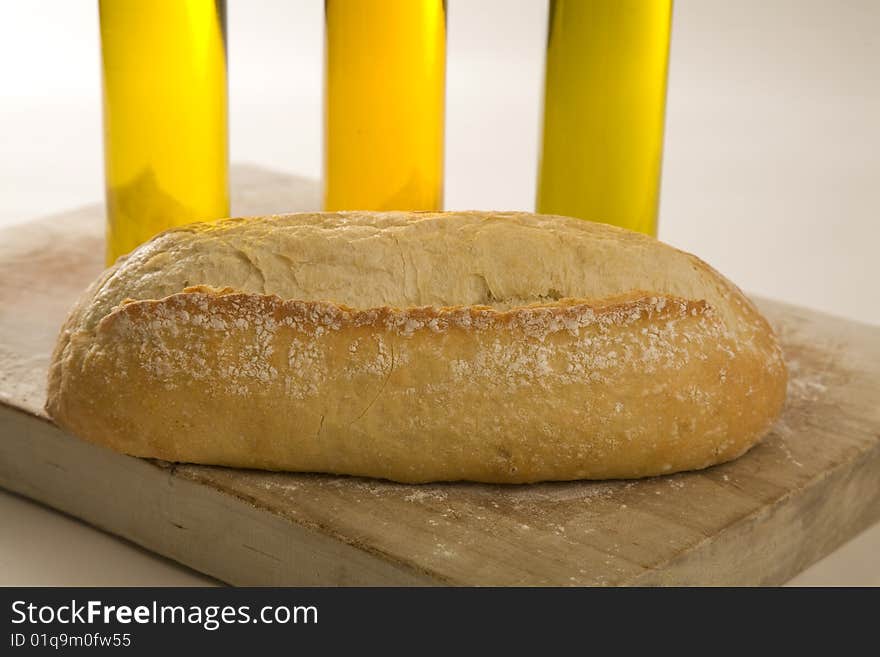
{"x":535,"y":320}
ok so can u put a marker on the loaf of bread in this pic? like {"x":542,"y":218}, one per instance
{"x":493,"y":347}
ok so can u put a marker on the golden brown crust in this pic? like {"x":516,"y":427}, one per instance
{"x":632,"y":384}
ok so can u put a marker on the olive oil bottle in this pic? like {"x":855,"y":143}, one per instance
{"x":384,"y":104}
{"x":165,"y":116}
{"x":604,"y":104}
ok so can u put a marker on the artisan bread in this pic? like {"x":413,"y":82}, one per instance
{"x":493,"y":347}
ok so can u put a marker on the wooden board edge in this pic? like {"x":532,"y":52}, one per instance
{"x":772,"y":308}
{"x":818,"y":518}
{"x":149,"y":506}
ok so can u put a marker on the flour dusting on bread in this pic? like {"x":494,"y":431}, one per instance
{"x":497,"y":347}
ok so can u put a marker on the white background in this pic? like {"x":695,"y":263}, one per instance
{"x":771,"y":170}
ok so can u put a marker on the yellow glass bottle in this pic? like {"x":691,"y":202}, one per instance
{"x":384,"y":104}
{"x":165,"y":116}
{"x":604,"y":105}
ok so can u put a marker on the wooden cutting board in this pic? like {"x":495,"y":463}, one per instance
{"x":809,"y":486}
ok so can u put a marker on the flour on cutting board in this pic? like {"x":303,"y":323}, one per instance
{"x":518,"y":496}
{"x":805,"y":384}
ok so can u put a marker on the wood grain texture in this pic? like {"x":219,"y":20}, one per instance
{"x":811,"y":485}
